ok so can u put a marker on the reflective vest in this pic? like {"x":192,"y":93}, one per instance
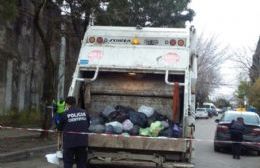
{"x":60,"y":106}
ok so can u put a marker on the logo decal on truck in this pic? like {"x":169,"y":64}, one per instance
{"x":95,"y":55}
{"x":169,"y":58}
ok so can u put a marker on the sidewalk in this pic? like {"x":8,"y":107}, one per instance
{"x":21,"y":144}
{"x":12,"y":133}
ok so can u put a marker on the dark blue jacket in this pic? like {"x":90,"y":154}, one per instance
{"x":236,"y":131}
{"x":74,"y":120}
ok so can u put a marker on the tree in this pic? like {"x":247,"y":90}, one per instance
{"x":8,"y":9}
{"x":210,"y":58}
{"x":46,"y":10}
{"x":222,"y":102}
{"x":242,"y":58}
{"x":254,"y":94}
{"x":242,"y":92}
{"x":254,"y":70}
{"x":162,"y":13}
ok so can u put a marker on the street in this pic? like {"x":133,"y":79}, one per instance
{"x":204,"y":157}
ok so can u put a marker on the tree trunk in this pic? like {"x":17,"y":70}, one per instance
{"x":49,"y":75}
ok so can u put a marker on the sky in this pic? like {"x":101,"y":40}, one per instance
{"x":236,"y":24}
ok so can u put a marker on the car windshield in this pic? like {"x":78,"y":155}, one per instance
{"x":201,"y":110}
{"x":206,"y":106}
{"x":248,"y":119}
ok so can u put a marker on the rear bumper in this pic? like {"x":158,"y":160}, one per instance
{"x":246,"y":145}
{"x":141,"y":164}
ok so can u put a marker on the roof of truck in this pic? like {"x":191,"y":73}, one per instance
{"x":160,"y":31}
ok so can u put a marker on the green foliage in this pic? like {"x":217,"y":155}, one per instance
{"x":8,"y":9}
{"x":254,"y":94}
{"x":222,"y":102}
{"x":169,"y":13}
{"x":24,"y":118}
{"x":242,"y":90}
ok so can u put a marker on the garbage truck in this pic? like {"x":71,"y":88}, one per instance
{"x":134,"y":66}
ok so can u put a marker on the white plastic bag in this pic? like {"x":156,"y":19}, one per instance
{"x":148,"y":111}
{"x":127,"y":125}
{"x":52,"y":158}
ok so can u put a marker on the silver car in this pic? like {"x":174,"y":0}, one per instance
{"x":201,"y":113}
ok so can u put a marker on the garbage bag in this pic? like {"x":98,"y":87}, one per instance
{"x":117,"y":130}
{"x":176,"y":130}
{"x":144,"y":131}
{"x":109,"y":129}
{"x":127,"y":125}
{"x":156,"y":117}
{"x":97,"y":128}
{"x":119,"y":116}
{"x":117,"y":127}
{"x":134,"y":130}
{"x":108,"y":110}
{"x":137,"y":118}
{"x":166,"y":132}
{"x":97,"y":121}
{"x":148,"y":111}
{"x":155,"y":128}
{"x":165,"y":124}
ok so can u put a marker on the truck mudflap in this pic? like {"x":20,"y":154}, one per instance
{"x":130,"y":163}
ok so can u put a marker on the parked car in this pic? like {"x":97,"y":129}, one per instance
{"x":201,"y":113}
{"x":251,"y":133}
{"x":211,"y":107}
{"x":219,"y":110}
{"x":210,"y":112}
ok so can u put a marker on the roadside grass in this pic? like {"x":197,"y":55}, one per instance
{"x":21,"y":119}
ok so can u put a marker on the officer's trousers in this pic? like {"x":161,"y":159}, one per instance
{"x":77,"y":155}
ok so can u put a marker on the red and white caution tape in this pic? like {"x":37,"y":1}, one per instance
{"x":115,"y":135}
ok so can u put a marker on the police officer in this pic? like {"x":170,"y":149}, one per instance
{"x":74,"y":124}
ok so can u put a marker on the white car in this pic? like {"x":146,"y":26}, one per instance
{"x":201,"y":113}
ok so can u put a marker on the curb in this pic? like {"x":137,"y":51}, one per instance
{"x":26,"y":153}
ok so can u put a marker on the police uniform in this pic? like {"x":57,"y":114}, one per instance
{"x":72,"y":123}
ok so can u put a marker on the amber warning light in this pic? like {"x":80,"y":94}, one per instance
{"x":135,"y":41}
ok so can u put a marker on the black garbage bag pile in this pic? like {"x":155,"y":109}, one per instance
{"x":126,"y":120}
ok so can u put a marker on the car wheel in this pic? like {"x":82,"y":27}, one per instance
{"x":216,"y":149}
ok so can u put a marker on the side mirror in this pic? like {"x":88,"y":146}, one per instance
{"x":217,"y":120}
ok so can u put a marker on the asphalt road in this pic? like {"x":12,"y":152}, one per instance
{"x":204,"y":155}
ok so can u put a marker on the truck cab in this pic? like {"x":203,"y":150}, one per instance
{"x":132,"y":66}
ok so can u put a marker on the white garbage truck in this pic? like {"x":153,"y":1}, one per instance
{"x":134,"y":66}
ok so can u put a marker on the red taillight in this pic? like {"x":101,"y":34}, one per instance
{"x":100,"y":40}
{"x":256,"y":131}
{"x":181,"y":42}
{"x":173,"y":42}
{"x":91,"y":39}
{"x":222,"y":128}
